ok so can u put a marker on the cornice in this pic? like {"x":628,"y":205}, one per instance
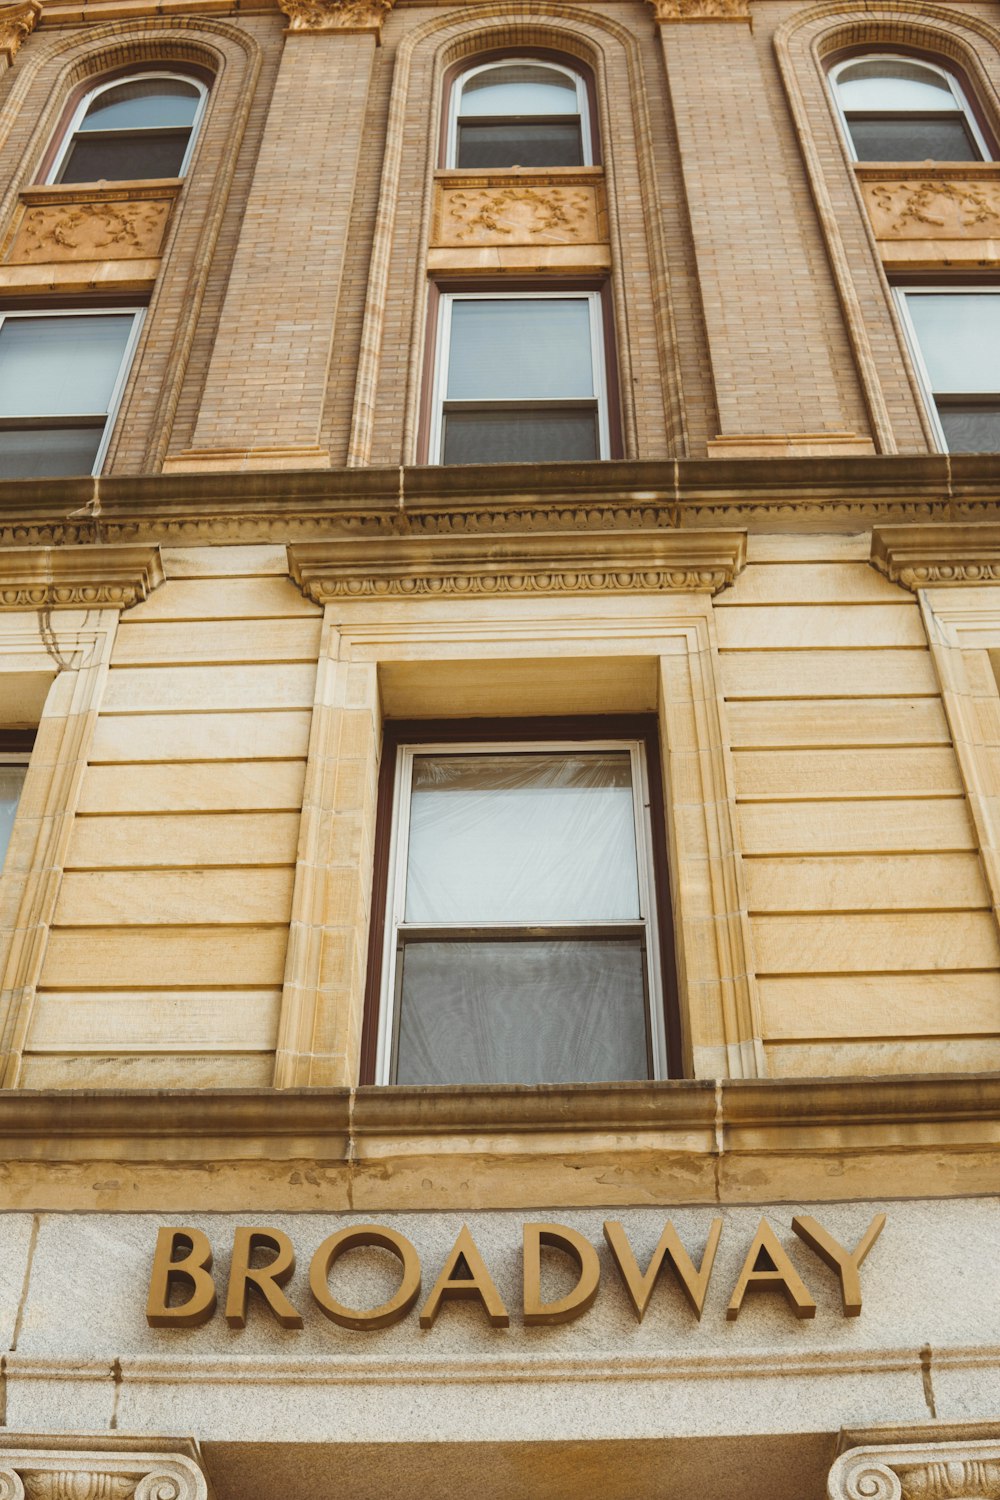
{"x":539,"y":563}
{"x":938,"y":556}
{"x":77,"y":577}
{"x":503,"y":1146}
{"x":306,"y":505}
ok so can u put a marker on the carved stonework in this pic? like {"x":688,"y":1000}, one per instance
{"x":518,"y":214}
{"x":921,"y":557}
{"x":932,"y":1471}
{"x":703,"y":562}
{"x":335,"y":15}
{"x":934,"y":209}
{"x":43,"y":1474}
{"x":701,"y":10}
{"x":16,"y":24}
{"x":116,"y":229}
{"x":77,"y":578}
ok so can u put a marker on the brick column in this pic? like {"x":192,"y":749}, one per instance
{"x":263,"y":399}
{"x":773,"y":371}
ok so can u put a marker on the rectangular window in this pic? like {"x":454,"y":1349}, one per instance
{"x":61,"y":379}
{"x":521,"y":378}
{"x":955,"y":342}
{"x":15,"y":752}
{"x":521,"y":940}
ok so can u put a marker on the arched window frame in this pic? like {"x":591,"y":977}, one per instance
{"x":959,"y":95}
{"x":582,"y":99}
{"x":76,"y":119}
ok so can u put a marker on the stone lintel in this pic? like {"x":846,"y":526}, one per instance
{"x":78,"y":577}
{"x":965,"y":1470}
{"x":529,"y":563}
{"x":936,"y":556}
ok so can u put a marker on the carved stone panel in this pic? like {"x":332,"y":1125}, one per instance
{"x":109,"y":226}
{"x":17,"y":22}
{"x":934,"y":215}
{"x":472,"y":212}
{"x":701,"y":10}
{"x":335,"y":15}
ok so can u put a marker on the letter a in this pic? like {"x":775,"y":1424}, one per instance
{"x":478,"y":1284}
{"x":779,"y":1272}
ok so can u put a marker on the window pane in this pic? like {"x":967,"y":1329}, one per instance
{"x":893,"y":83}
{"x":528,"y":436}
{"x":519,"y":89}
{"x":532,"y":1012}
{"x":520,"y":145}
{"x":61,"y":366}
{"x":959,"y":338}
{"x":11,"y":782}
{"x":43,"y":452}
{"x":124,"y":158}
{"x":142,"y":104}
{"x":971,"y":429}
{"x":535,"y":837}
{"x":913,"y":140}
{"x":514,"y":349}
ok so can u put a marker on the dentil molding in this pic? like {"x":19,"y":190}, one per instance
{"x":929,"y":1471}
{"x":920,"y":557}
{"x":44,"y":1474}
{"x":541,"y":563}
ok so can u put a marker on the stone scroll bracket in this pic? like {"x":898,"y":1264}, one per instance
{"x":17,"y":22}
{"x":532,"y":564}
{"x":336,"y":15}
{"x":918,"y":1471}
{"x":54,"y":1474}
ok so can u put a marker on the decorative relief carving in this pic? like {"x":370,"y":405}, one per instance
{"x":937,"y":209}
{"x":920,"y":557}
{"x":335,"y":15}
{"x":16,"y":25}
{"x":701,"y":10}
{"x":77,"y":578}
{"x":404,"y":567}
{"x":522,"y":214}
{"x":934,"y":1471}
{"x":75,"y":231}
{"x":30,"y":1474}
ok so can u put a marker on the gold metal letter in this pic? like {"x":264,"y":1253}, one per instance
{"x":640,"y":1287}
{"x":845,"y":1262}
{"x":478,"y":1283}
{"x":558,"y":1237}
{"x":267,"y":1279}
{"x":353,"y":1239}
{"x":195,"y":1267}
{"x":778,"y":1272}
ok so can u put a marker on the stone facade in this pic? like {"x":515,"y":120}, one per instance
{"x":213,"y":638}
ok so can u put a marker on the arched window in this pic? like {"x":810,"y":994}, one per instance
{"x":519,"y":112}
{"x":130,"y":128}
{"x":903,"y":109}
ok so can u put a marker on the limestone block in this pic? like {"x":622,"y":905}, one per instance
{"x":123,"y":738}
{"x":866,"y":882}
{"x":183,"y":840}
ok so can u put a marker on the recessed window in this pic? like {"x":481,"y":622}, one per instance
{"x":519,"y":112}
{"x":955,"y":341}
{"x":15,"y":752}
{"x":138,"y":127}
{"x":520,"y":941}
{"x":902,"y":109}
{"x":520,"y":378}
{"x":61,"y":378}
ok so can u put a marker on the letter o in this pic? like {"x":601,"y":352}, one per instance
{"x":354,"y":1239}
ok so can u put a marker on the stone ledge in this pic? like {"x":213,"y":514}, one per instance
{"x":937,"y":556}
{"x":80,"y":577}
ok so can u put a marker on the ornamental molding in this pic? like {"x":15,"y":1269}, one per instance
{"x":666,"y":11}
{"x":920,"y":557}
{"x":335,"y":15}
{"x":17,"y":22}
{"x":374,"y":568}
{"x":80,"y":577}
{"x":931,"y":1471}
{"x":41,"y":1474}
